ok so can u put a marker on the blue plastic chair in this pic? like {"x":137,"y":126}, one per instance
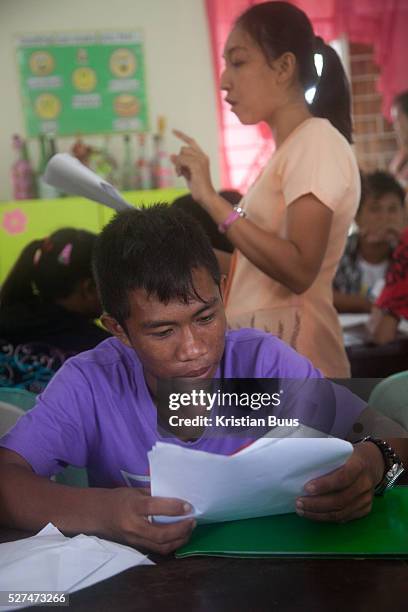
{"x":9,"y":416}
{"x":18,"y":397}
{"x":72,"y":476}
{"x":390,"y":397}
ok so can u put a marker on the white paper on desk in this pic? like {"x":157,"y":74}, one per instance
{"x":67,"y":174}
{"x":49,"y":561}
{"x":263,"y":479}
{"x":348,"y":320}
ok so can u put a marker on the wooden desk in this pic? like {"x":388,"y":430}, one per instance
{"x":211,"y":584}
{"x":371,"y":361}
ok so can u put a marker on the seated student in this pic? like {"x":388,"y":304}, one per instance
{"x":159,"y":284}
{"x":50,"y":297}
{"x":399,"y":164}
{"x":380,"y":219}
{"x":392,"y":304}
{"x":220,"y":243}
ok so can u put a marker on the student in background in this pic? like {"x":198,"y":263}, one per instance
{"x":399,"y":164}
{"x":299,"y":209}
{"x":392,"y":304}
{"x":220,"y":243}
{"x":380,"y":219}
{"x":160,"y":287}
{"x":49,"y":296}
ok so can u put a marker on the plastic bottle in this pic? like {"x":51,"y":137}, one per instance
{"x":143,"y":173}
{"x":22,"y":174}
{"x":81,"y":151}
{"x":103,"y":163}
{"x":128,"y":178}
{"x":47,"y":150}
{"x":160,"y":167}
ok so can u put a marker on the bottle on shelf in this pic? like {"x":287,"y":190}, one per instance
{"x":81,"y":151}
{"x":22,"y":173}
{"x":128,"y":178}
{"x":52,"y":145}
{"x":143,"y":174}
{"x":160,"y":166}
{"x":103,"y":163}
{"x":47,"y":150}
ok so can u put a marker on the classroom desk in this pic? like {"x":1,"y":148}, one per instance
{"x":211,"y":584}
{"x":368,"y":360}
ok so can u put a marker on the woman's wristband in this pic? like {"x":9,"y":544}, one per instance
{"x":235,"y":214}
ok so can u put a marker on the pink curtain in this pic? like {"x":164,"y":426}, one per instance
{"x":382,"y":23}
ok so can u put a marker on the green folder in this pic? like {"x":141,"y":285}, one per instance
{"x":383,"y":533}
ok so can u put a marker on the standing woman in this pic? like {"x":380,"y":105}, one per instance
{"x":291,"y":231}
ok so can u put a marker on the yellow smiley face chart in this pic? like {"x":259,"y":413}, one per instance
{"x":87,"y":82}
{"x":126,"y":105}
{"x":47,"y":106}
{"x":123,"y":63}
{"x":41,"y":63}
{"x":84,"y":79}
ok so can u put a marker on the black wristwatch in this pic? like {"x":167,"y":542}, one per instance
{"x":393,"y":465}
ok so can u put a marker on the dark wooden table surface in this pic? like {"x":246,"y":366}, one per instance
{"x":211,"y":584}
{"x":368,"y":360}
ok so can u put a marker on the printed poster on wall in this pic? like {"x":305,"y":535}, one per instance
{"x":83,"y":83}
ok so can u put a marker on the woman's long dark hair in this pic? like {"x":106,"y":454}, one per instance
{"x":280,"y":27}
{"x":50,"y":268}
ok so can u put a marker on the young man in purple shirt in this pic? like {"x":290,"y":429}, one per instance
{"x":159,"y":284}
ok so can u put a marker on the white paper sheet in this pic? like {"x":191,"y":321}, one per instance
{"x":263,"y":479}
{"x":49,"y":561}
{"x":348,"y":320}
{"x":67,"y":174}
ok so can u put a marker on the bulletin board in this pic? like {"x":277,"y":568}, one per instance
{"x":82,"y":83}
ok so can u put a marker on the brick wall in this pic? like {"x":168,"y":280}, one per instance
{"x":375,"y":141}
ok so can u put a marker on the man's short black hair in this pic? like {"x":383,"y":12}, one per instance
{"x":378,"y":184}
{"x":154,"y":248}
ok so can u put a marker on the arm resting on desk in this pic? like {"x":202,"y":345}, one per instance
{"x":350,"y":302}
{"x":29,"y":501}
{"x":347,"y":493}
{"x":383,"y":326}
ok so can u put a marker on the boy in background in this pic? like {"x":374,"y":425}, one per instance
{"x":392,"y":305}
{"x":380,"y":219}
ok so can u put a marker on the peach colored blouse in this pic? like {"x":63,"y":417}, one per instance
{"x":315,"y":158}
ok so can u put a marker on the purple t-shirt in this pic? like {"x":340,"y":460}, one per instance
{"x":97,"y":411}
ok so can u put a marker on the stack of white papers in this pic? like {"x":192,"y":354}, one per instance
{"x":49,"y":561}
{"x":264,"y":478}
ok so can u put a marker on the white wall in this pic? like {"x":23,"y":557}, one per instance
{"x":177,"y":63}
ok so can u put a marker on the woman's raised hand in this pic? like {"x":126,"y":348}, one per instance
{"x":192,"y":163}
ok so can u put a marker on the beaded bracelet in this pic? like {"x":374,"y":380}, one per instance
{"x":235,"y":214}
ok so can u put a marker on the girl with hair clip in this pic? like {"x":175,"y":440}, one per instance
{"x":290,"y":229}
{"x":50,"y":296}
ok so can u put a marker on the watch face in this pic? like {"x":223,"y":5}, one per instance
{"x":393,"y":474}
{"x":393,"y":470}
